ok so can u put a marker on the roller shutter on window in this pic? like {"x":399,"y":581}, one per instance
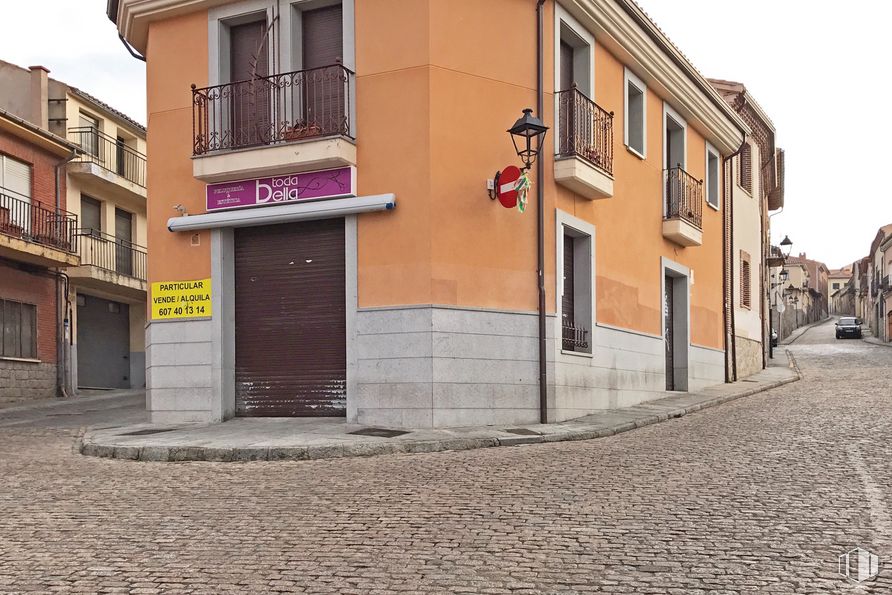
{"x":290,"y":320}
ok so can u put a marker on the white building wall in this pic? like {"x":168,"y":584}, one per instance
{"x":747,"y":234}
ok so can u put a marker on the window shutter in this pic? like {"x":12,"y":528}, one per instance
{"x":745,"y":281}
{"x":246,"y":44}
{"x":745,"y":171}
{"x":16,"y":176}
{"x":323,"y":37}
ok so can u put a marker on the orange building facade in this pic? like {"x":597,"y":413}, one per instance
{"x":381,"y":282}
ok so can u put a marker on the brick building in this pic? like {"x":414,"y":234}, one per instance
{"x":37,"y":239}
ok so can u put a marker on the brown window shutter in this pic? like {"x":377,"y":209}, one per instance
{"x":323,"y":37}
{"x":745,"y":281}
{"x":246,"y":44}
{"x":745,"y":171}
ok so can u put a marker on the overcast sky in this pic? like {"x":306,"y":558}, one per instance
{"x":804,"y":62}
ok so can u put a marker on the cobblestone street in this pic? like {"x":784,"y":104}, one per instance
{"x":761,"y":494}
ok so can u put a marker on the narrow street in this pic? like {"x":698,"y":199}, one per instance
{"x":761,"y":494}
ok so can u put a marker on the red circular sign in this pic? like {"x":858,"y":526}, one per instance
{"x":505,"y":186}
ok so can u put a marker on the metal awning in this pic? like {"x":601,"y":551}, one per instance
{"x":286,"y":213}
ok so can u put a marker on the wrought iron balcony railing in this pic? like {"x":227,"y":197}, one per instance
{"x":573,"y":338}
{"x":109,"y":153}
{"x":112,"y":254}
{"x":584,"y":129}
{"x":272,"y":109}
{"x":684,"y":197}
{"x":27,"y":219}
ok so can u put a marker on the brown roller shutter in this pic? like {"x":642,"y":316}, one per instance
{"x":249,"y":63}
{"x":322,"y":45}
{"x":290,"y":320}
{"x":323,"y":36}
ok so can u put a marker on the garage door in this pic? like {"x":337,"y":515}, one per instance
{"x":290,"y":320}
{"x":103,"y":343}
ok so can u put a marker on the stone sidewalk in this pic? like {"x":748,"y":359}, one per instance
{"x":275,"y":439}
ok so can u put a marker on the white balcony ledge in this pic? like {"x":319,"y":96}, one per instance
{"x":583,"y":178}
{"x":272,"y":160}
{"x":682,"y":232}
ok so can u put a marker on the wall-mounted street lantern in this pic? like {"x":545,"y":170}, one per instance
{"x":783,"y":275}
{"x":786,"y":246}
{"x":527,"y":134}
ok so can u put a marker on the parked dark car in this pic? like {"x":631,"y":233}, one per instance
{"x":848,"y":327}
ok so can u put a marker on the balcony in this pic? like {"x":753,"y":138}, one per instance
{"x":284,"y":123}
{"x":114,"y":266}
{"x":33,"y":233}
{"x":584,"y":160}
{"x":683,"y":219}
{"x":107,"y":165}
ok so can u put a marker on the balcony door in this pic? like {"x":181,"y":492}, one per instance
{"x":250,"y":93}
{"x":88,"y":133}
{"x":123,"y":242}
{"x":324,"y":82}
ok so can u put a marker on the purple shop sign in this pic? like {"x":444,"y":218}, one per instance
{"x":275,"y":190}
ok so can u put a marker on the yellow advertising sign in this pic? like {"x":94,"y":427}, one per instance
{"x":181,"y":299}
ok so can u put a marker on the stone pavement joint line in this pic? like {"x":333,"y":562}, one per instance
{"x":279,"y":439}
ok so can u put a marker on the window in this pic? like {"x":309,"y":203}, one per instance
{"x":745,"y":281}
{"x":574,"y":53}
{"x":674,"y":128}
{"x":575,"y":284}
{"x":745,"y":168}
{"x":674,"y":158}
{"x":712,"y":177}
{"x":634,"y":128}
{"x":18,"y":324}
{"x":91,"y":216}
{"x":88,"y":133}
{"x":836,"y":286}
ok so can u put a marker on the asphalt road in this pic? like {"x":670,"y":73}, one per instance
{"x":759,"y":495}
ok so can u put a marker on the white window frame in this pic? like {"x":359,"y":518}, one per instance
{"x":710,"y":150}
{"x":561,"y":16}
{"x":629,"y":78}
{"x":579,"y":229}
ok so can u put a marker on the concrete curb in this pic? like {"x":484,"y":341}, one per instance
{"x":303,"y":453}
{"x":807,"y":327}
{"x":875,"y":341}
{"x":60,"y":402}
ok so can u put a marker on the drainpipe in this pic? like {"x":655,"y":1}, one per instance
{"x":63,"y":303}
{"x":728,"y":246}
{"x":540,"y":210}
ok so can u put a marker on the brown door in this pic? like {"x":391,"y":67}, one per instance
{"x":669,"y":322}
{"x":251,"y":96}
{"x":123,"y":242}
{"x":324,"y":82}
{"x":290,"y":320}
